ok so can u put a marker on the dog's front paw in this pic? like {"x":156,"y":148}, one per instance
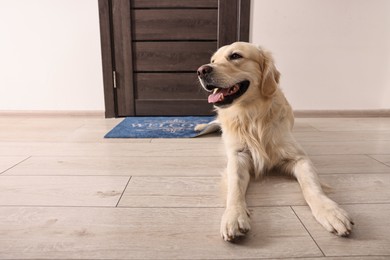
{"x":333,"y":218}
{"x":235,"y":223}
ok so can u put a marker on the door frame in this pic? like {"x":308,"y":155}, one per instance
{"x":116,"y":47}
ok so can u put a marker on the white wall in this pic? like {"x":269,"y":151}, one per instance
{"x":333,"y":54}
{"x":50,"y":55}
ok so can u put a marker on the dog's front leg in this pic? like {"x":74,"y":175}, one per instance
{"x":235,"y":221}
{"x":325,"y":210}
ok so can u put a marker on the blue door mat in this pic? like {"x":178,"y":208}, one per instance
{"x":163,"y":127}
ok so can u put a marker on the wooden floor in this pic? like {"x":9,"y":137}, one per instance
{"x":67,"y":193}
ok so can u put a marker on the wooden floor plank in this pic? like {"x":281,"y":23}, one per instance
{"x":272,"y":191}
{"x":72,"y":129}
{"x":173,"y":166}
{"x":384,"y":158}
{"x":43,"y":131}
{"x":175,"y":233}
{"x":345,"y":163}
{"x":173,"y":192}
{"x":348,"y":124}
{"x":351,"y":148}
{"x":369,"y":237}
{"x":111,"y":149}
{"x":342,"y":136}
{"x":61,"y":190}
{"x":6,"y":162}
{"x":300,"y":126}
{"x":364,"y":257}
{"x":121,"y":165}
{"x":175,"y":149}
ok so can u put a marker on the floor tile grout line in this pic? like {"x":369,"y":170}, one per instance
{"x":13,"y":166}
{"x":192,"y":142}
{"x":174,"y":207}
{"x":70,"y":155}
{"x":183,"y":176}
{"x":115,"y":156}
{"x":117,"y":175}
{"x":58,"y":206}
{"x":71,"y":175}
{"x":317,"y":130}
{"x":369,"y":156}
{"x":334,"y":141}
{"x":291,"y":207}
{"x":123,"y":192}
{"x":326,"y":257}
{"x":172,"y":156}
{"x":131,"y":207}
{"x":248,"y":258}
{"x":354,"y":173}
{"x":343,"y":141}
{"x":118,"y":156}
{"x":344,"y":204}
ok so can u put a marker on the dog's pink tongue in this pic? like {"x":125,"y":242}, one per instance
{"x":214,"y":98}
{"x":218,"y":96}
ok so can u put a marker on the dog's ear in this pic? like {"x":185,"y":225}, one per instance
{"x":270,"y":75}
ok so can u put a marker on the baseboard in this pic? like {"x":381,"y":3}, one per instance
{"x":341,"y":113}
{"x":52,"y":113}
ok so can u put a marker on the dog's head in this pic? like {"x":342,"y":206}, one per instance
{"x":239,"y":73}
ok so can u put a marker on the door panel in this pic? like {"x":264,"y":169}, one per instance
{"x":178,"y":86}
{"x":172,"y":56}
{"x":175,"y":24}
{"x":175,"y":3}
{"x":156,"y":47}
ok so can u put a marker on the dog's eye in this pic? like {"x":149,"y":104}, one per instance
{"x":235,"y":56}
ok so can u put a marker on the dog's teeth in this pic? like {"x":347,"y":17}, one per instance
{"x":215,"y":90}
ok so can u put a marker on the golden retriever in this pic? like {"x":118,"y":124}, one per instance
{"x":257,"y":122}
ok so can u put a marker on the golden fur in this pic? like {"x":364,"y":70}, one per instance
{"x":256,"y":130}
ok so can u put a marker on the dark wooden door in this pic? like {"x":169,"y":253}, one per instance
{"x":152,"y":48}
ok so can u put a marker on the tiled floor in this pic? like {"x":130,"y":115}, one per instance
{"x":67,"y":193}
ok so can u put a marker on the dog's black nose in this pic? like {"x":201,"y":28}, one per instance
{"x":204,"y":70}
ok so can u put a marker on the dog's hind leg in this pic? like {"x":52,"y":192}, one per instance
{"x":326,"y":211}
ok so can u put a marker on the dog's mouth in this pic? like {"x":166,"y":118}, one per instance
{"x":226,"y":96}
